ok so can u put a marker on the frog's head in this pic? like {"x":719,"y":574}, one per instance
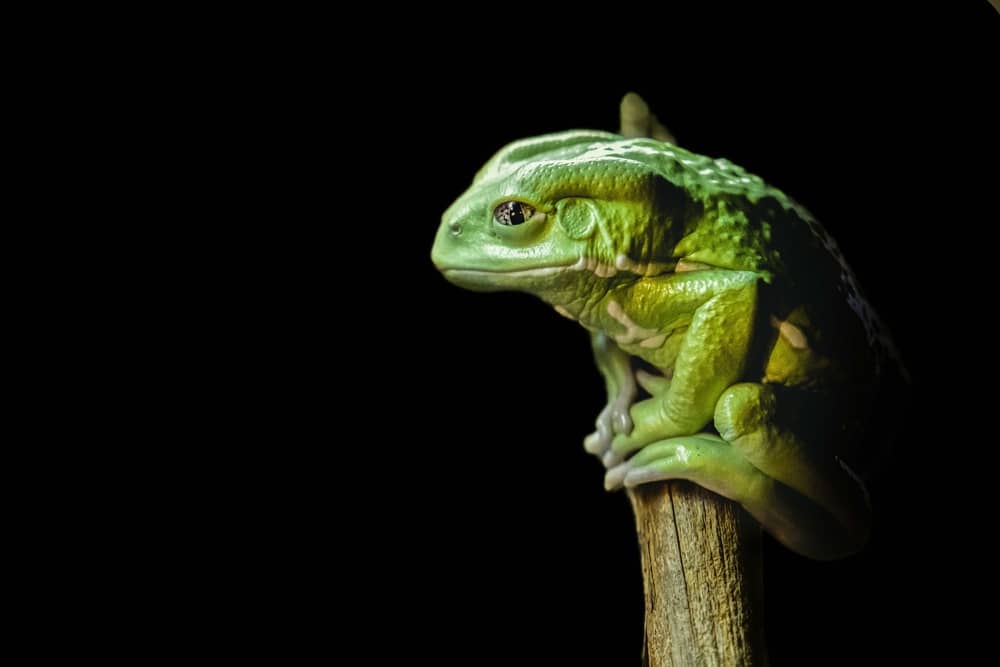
{"x":547,"y":213}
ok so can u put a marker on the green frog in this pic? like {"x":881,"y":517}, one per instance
{"x":736,"y":345}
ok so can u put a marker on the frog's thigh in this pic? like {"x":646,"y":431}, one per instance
{"x":749,"y":416}
{"x":712,"y":463}
{"x":758,"y":420}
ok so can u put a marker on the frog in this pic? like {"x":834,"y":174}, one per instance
{"x":737,"y":348}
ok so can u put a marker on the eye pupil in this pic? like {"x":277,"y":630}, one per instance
{"x":513,"y":213}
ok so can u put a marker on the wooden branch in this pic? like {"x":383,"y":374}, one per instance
{"x":701,"y":572}
{"x":638,"y":121}
{"x":701,"y":566}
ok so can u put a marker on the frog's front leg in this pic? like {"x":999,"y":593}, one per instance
{"x":808,"y":500}
{"x":614,"y":419}
{"x":711,"y":357}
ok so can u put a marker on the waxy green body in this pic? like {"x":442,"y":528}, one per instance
{"x":766,"y":363}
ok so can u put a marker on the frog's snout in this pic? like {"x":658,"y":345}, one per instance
{"x":444,"y":244}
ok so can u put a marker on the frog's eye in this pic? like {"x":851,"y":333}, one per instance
{"x":513,"y":213}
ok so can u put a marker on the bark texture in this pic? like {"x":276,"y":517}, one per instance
{"x":701,"y":571}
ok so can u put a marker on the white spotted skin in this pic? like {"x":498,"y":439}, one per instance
{"x":633,"y":334}
{"x":565,"y":313}
{"x":792,"y":334}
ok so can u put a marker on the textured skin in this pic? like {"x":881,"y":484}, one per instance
{"x":769,"y":369}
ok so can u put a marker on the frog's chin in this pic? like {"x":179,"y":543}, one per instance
{"x":482,"y":280}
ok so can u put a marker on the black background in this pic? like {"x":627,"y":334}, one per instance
{"x":472,"y":519}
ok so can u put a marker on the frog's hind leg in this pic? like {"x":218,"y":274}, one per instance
{"x":794,"y":437}
{"x":815,"y":507}
{"x":704,"y":458}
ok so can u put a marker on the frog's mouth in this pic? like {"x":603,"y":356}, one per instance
{"x":488,"y":280}
{"x":539,"y":272}
{"x":498,"y":279}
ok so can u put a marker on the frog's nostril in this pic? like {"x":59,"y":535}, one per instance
{"x":455,"y":227}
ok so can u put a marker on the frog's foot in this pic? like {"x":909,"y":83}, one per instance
{"x":810,"y":503}
{"x":616,"y":419}
{"x":613,"y":420}
{"x":704,"y":458}
{"x":650,"y":423}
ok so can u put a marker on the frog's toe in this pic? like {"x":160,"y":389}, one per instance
{"x":611,"y":458}
{"x":597,"y":443}
{"x":615,"y":476}
{"x":613,"y":420}
{"x":621,"y":420}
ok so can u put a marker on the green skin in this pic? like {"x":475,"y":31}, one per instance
{"x":764,"y":361}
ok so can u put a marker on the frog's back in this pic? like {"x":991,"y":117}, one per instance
{"x":818,"y":332}
{"x":786,"y":243}
{"x":730,"y":218}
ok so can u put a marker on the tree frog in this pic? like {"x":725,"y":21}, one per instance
{"x":736,"y":346}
